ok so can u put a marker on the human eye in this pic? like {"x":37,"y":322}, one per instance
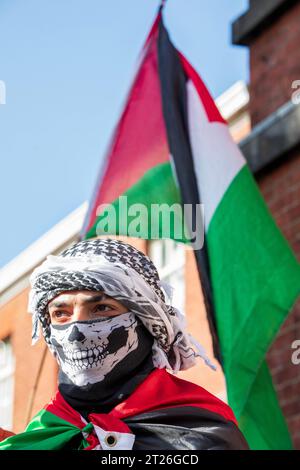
{"x":102,"y":308}
{"x":60,"y":314}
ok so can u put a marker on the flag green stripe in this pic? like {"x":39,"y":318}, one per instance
{"x":46,"y":431}
{"x":264,"y":426}
{"x":255,"y":281}
{"x":157,"y":186}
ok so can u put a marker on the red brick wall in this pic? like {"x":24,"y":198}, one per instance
{"x":281,"y":189}
{"x":274,"y":65}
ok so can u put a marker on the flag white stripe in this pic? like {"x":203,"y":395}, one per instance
{"x":217,"y":158}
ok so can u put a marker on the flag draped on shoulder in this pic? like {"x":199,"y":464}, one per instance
{"x":172,"y":146}
{"x":158,"y":399}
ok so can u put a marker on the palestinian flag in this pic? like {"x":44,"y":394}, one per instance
{"x":143,"y":421}
{"x":172,"y":146}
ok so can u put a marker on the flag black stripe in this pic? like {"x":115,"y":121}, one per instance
{"x":174,"y":102}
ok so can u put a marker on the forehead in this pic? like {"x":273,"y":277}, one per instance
{"x":79,"y":295}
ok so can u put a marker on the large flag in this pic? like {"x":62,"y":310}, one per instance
{"x":172,"y":146}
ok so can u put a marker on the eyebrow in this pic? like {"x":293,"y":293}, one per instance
{"x":91,"y":300}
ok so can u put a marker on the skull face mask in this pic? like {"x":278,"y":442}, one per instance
{"x":88,"y":351}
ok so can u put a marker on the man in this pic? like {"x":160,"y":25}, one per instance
{"x":104,"y":316}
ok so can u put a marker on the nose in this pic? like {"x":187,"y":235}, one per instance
{"x":76,"y":335}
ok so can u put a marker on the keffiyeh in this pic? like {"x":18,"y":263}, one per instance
{"x":127,"y":275}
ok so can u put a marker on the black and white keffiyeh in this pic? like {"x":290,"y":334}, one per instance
{"x":127,"y":275}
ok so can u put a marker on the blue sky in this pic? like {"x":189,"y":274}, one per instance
{"x":67,"y":65}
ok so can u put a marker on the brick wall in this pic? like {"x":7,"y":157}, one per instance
{"x":281,"y":189}
{"x":274,"y":64}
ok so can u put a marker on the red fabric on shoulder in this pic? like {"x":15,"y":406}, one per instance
{"x":164,"y":390}
{"x":59,"y":407}
{"x":159,"y":390}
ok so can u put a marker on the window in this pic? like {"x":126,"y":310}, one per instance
{"x":7,"y":368}
{"x":169,"y":258}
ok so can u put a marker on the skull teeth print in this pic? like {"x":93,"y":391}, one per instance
{"x":86,"y":362}
{"x":81,"y":354}
{"x":88,"y":351}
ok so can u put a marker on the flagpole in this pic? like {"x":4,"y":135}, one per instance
{"x":162,"y":4}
